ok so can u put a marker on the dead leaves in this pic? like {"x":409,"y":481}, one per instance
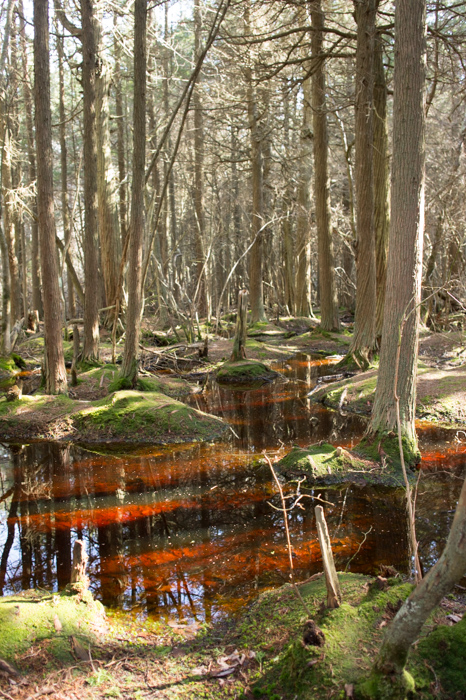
{"x":225,"y":666}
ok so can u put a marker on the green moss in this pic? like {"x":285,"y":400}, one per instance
{"x":34,"y":616}
{"x":8,"y":365}
{"x":325,"y":464}
{"x":171,"y":386}
{"x":273,"y":626}
{"x":244,"y":372}
{"x":130,"y":416}
{"x":445,"y":650}
{"x":370,"y":447}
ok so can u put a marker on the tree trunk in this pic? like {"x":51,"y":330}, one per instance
{"x":255,"y":261}
{"x":388,"y":678}
{"x":55,"y":373}
{"x":119,"y":115}
{"x":10,"y":232}
{"x":328,"y":302}
{"x":381,"y":189}
{"x":200,"y":301}
{"x":109,"y":230}
{"x":406,"y":230}
{"x":6,"y":311}
{"x":129,"y":370}
{"x":91,"y":268}
{"x":303,"y":227}
{"x":64,"y":171}
{"x":239,"y":341}
{"x":35,"y":259}
{"x":363,"y":341}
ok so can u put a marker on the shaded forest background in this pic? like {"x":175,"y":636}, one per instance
{"x":232,"y":194}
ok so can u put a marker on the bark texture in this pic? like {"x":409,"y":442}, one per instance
{"x":91,"y":267}
{"x":55,"y":373}
{"x":328,"y":302}
{"x":406,"y":227}
{"x":239,"y":341}
{"x":129,"y":370}
{"x":363,"y":341}
{"x":381,"y":188}
{"x":303,"y":226}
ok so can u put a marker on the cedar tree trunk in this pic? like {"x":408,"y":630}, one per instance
{"x":402,"y":301}
{"x":55,"y":373}
{"x":129,"y":370}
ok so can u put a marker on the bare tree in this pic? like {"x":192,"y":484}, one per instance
{"x":129,"y":369}
{"x":55,"y":373}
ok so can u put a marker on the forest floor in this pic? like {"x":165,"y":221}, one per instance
{"x":91,"y":414}
{"x":267,"y":651}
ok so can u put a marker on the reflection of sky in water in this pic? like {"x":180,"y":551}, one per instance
{"x":187,"y":531}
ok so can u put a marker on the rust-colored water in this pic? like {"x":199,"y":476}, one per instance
{"x":187,"y":532}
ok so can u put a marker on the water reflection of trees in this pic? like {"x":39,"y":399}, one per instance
{"x":186,"y":531}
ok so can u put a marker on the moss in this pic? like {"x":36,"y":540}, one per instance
{"x":8,"y":365}
{"x":445,"y":650}
{"x":273,"y":627}
{"x":244,"y":372}
{"x":170,"y":386}
{"x":380,"y":687}
{"x":130,"y":416}
{"x":34,"y":616}
{"x":325,"y":464}
{"x":372,"y":446}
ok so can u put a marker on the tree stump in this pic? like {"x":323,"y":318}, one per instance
{"x":239,"y":342}
{"x":78,"y":572}
{"x":331,"y":579}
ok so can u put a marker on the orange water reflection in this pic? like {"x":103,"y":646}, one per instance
{"x":187,"y":532}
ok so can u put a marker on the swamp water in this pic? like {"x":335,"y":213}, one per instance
{"x":187,"y":532}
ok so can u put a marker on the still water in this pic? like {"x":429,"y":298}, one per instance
{"x":187,"y":532}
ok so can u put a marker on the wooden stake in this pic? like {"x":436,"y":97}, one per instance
{"x":78,"y":572}
{"x":331,"y":579}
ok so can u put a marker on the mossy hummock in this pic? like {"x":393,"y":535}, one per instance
{"x":325,"y":464}
{"x":245,"y":372}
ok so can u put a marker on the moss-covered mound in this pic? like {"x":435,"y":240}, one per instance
{"x":70,"y":623}
{"x":273,"y":628}
{"x":325,"y":465}
{"x":121,"y":417}
{"x":440,"y":394}
{"x":149,"y":417}
{"x":245,"y":372}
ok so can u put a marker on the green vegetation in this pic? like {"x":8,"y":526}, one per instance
{"x":244,"y":372}
{"x":65,"y":619}
{"x":325,"y":464}
{"x":132,"y":416}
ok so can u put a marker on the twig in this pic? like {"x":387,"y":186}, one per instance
{"x":288,"y":539}
{"x":359,"y":548}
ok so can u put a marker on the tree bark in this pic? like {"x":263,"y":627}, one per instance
{"x":256,"y":256}
{"x":328,"y":302}
{"x":303,"y":226}
{"x":381,"y":188}
{"x":108,"y":214}
{"x":129,"y":370}
{"x":406,"y":228}
{"x":239,"y":341}
{"x":91,"y":268}
{"x":200,"y":277}
{"x":55,"y":373}
{"x":363,"y":341}
{"x":35,"y":258}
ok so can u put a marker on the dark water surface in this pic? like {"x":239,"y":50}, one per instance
{"x":187,"y":532}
